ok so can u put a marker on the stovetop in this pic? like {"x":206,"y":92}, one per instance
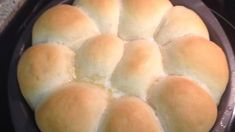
{"x":223,"y":10}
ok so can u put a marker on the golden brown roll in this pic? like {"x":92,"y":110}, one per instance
{"x":77,"y":107}
{"x":178,"y":22}
{"x":199,"y":59}
{"x":64,"y":24}
{"x":130,"y":114}
{"x":182,"y":106}
{"x":42,"y":68}
{"x":105,"y":13}
{"x":140,"y":18}
{"x":97,"y":58}
{"x":140,"y":65}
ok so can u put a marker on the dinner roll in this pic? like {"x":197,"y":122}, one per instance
{"x":122,"y":66}
{"x":78,"y":107}
{"x":180,"y":21}
{"x":130,"y":114}
{"x":97,"y":58}
{"x":42,"y":68}
{"x":64,"y":24}
{"x":105,"y":13}
{"x":140,"y":65}
{"x":182,"y":105}
{"x":199,"y":59}
{"x":140,"y":18}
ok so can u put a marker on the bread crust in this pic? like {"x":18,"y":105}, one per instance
{"x":122,"y":66}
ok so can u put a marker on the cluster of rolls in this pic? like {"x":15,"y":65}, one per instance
{"x":122,"y":66}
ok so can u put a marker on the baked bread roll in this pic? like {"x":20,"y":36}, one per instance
{"x":140,"y":66}
{"x":180,"y":104}
{"x":199,"y":59}
{"x":42,"y":69}
{"x":178,"y":22}
{"x":122,"y":66}
{"x":131,"y":114}
{"x":140,"y":18}
{"x":53,"y":27}
{"x":77,"y":107}
{"x":105,"y":13}
{"x":96,"y":60}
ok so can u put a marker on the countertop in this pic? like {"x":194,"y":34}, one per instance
{"x":8,"y":9}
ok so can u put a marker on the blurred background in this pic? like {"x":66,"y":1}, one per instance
{"x":14,"y":12}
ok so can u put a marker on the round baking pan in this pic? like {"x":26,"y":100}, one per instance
{"x":23,"y":116}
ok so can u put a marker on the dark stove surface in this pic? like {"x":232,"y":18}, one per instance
{"x":223,"y":9}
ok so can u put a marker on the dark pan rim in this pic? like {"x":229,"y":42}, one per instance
{"x":22,"y":115}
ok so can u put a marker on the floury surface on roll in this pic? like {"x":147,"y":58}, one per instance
{"x":122,"y":66}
